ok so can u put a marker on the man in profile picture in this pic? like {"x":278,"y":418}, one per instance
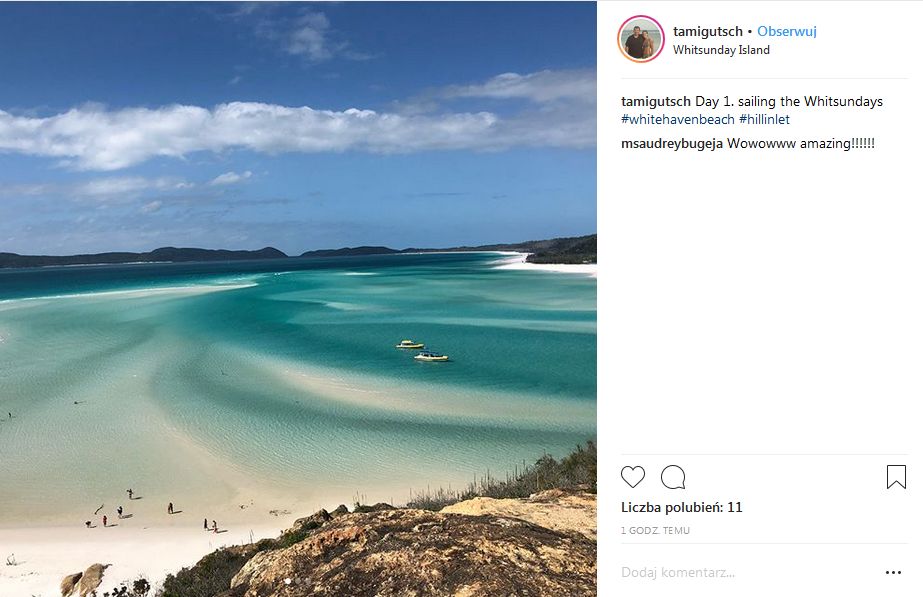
{"x":634,"y":45}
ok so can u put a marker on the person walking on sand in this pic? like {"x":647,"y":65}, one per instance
{"x":130,"y":493}
{"x":119,"y":511}
{"x":214,"y":527}
{"x":87,"y":523}
{"x":170,"y":508}
{"x":105,"y":521}
{"x":205,"y":524}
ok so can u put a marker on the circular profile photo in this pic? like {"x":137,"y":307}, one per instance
{"x":641,"y":38}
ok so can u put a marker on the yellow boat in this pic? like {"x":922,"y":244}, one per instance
{"x":431,"y":356}
{"x":409,"y":344}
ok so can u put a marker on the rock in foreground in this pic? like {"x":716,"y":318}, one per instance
{"x":85,"y":582}
{"x":417,"y":553}
{"x":561,"y":510}
{"x":70,"y":583}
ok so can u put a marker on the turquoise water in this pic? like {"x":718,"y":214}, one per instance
{"x":285,"y":374}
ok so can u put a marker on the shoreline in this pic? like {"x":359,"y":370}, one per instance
{"x":45,"y":555}
{"x":517,"y":261}
{"x":207,"y":474}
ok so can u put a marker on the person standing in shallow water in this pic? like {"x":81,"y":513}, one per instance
{"x":205,"y":524}
{"x":105,"y":521}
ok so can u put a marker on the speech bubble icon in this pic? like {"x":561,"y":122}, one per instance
{"x":673,"y":477}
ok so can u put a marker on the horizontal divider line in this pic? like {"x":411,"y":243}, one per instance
{"x":890,"y":455}
{"x":760,"y":543}
{"x":765,"y":78}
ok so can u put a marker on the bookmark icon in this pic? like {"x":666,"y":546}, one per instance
{"x":897,"y":475}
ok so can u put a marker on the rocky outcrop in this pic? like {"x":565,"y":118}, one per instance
{"x":92,"y":578}
{"x":70,"y":583}
{"x":541,"y":546}
{"x":561,"y":510}
{"x":86,"y":582}
{"x":313,"y":521}
{"x":416,"y":553}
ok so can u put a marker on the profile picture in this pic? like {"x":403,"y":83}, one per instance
{"x":641,"y":38}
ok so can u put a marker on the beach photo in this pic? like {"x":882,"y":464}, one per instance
{"x":298,"y":299}
{"x":641,"y":38}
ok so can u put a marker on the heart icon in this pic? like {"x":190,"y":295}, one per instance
{"x":632,"y":475}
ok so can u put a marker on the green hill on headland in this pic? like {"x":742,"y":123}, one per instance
{"x":163,"y":254}
{"x":574,"y":249}
{"x":578,"y":249}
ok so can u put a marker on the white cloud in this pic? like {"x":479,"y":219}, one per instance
{"x":543,"y":86}
{"x":235,"y":80}
{"x":98,"y":189}
{"x":308,"y":37}
{"x":125,"y":186}
{"x":94,"y":138}
{"x":301,"y":32}
{"x":229,"y":178}
{"x":151,"y":207}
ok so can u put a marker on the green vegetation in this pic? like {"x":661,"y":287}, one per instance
{"x":210,"y":576}
{"x":572,"y":249}
{"x":567,"y":250}
{"x":350,"y":251}
{"x":576,"y":470}
{"x":213,"y":573}
{"x":289,"y":537}
{"x":163,"y":254}
{"x":138,"y":588}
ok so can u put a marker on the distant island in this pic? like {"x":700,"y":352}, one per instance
{"x":164,"y":254}
{"x":579,"y":249}
{"x":574,"y":249}
{"x":350,"y":251}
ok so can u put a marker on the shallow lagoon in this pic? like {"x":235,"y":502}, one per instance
{"x":200,"y":379}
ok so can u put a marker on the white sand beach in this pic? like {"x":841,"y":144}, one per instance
{"x":518,"y":261}
{"x":43,"y":556}
{"x":146,"y":541}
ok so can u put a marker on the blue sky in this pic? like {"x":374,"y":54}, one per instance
{"x":301,"y":125}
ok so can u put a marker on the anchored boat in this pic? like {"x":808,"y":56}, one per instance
{"x":409,"y":344}
{"x":431,"y":356}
